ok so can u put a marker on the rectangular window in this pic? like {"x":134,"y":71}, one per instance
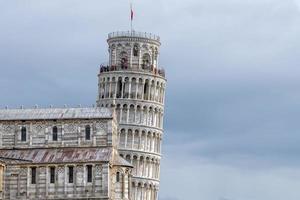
{"x":87,"y":132}
{"x":71,"y":174}
{"x":54,"y":137}
{"x":52,"y":174}
{"x":89,"y":173}
{"x":23,"y":134}
{"x":54,"y":133}
{"x":33,"y":175}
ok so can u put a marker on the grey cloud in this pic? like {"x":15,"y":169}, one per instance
{"x":233,"y":77}
{"x":211,"y":179}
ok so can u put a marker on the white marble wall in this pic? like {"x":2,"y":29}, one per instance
{"x":19,"y":185}
{"x":136,"y":88}
{"x":70,"y":133}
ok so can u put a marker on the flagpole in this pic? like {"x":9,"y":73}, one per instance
{"x":131,"y":33}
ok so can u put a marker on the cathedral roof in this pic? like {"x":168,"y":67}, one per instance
{"x":119,"y":161}
{"x":62,"y":155}
{"x":54,"y":113}
{"x":59,"y":155}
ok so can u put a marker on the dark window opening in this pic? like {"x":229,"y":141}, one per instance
{"x":52,"y":174}
{"x":145,"y":90}
{"x":89,"y":173}
{"x":135,"y":50}
{"x":54,"y":133}
{"x":87,"y":132}
{"x":33,"y":175}
{"x":120,"y":87}
{"x":118,"y":177}
{"x":71,"y":174}
{"x":23,"y":134}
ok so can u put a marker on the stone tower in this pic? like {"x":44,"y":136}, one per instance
{"x":133,"y":82}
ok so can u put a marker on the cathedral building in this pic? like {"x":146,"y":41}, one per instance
{"x":66,"y":153}
{"x":108,"y":152}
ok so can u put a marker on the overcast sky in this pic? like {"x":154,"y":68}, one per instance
{"x":232,"y":128}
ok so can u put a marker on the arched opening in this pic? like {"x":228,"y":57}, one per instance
{"x":150,"y":117}
{"x":155,"y":117}
{"x":146,"y":88}
{"x":157,"y":92}
{"x":124,"y":113}
{"x":152,"y":90}
{"x":122,"y":138}
{"x":120,"y":88}
{"x":107,"y":88}
{"x":140,"y":88}
{"x":145,"y":115}
{"x":141,"y":166}
{"x":147,"y":167}
{"x":138,"y":115}
{"x":136,"y":50}
{"x":133,"y":88}
{"x":148,"y":147}
{"x":143,"y":138}
{"x":124,"y":60}
{"x":134,"y":163}
{"x":146,"y":61}
{"x":129,"y":139}
{"x":126,"y":88}
{"x":113,"y":86}
{"x":118,"y":177}
{"x":118,"y":111}
{"x":131,"y":114}
{"x":128,"y":158}
{"x":136,"y":141}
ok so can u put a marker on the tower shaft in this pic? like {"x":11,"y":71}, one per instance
{"x":134,"y":84}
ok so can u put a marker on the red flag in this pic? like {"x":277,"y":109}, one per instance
{"x":131,"y":16}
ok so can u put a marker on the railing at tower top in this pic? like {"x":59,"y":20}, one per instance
{"x":133,"y":34}
{"x":149,"y":69}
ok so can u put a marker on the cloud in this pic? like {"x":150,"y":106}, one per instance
{"x":297,"y":2}
{"x":232,"y":102}
{"x":209,"y":179}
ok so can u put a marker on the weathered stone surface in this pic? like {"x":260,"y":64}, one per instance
{"x":134,"y":85}
{"x":87,"y":145}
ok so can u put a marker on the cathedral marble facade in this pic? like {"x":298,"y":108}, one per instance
{"x":68,"y":153}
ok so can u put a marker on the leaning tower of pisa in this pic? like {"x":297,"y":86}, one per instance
{"x":133,"y":82}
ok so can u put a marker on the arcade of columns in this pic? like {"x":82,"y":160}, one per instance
{"x":134,"y":85}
